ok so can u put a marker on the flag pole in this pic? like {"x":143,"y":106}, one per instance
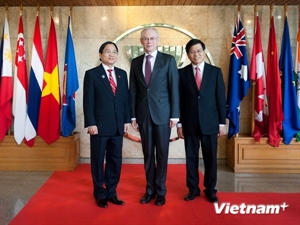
{"x":253,"y":82}
{"x":6,"y":14}
{"x":6,"y":10}
{"x":70,"y":11}
{"x":271,"y":14}
{"x":239,"y":10}
{"x":38,"y":9}
{"x":271,"y":11}
{"x":51,"y":10}
{"x":70,"y":14}
{"x":285,"y":10}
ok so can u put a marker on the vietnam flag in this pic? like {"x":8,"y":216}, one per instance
{"x":49,"y":116}
{"x":274,"y":89}
{"x":6,"y":86}
{"x":20,"y":87}
{"x":257,"y":74}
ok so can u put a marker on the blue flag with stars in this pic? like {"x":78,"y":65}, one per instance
{"x":238,"y":77}
{"x":291,"y":121}
{"x":70,"y":86}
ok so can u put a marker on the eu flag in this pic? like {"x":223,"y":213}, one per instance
{"x":70,"y":86}
{"x":238,"y":81}
{"x":291,"y":122}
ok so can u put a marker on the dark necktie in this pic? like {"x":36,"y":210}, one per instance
{"x":148,"y":69}
{"x":112,"y":82}
{"x":198,"y":77}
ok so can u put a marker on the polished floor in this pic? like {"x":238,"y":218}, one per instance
{"x":17,"y":187}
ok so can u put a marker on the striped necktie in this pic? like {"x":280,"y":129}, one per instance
{"x":112,"y":82}
{"x":198,"y":77}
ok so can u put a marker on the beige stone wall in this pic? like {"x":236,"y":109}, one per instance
{"x":94,"y":25}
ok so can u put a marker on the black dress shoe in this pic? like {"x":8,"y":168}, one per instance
{"x":101,"y":203}
{"x":115,"y":201}
{"x":212,"y":197}
{"x":191,"y":196}
{"x":160,"y":200}
{"x":147,"y":198}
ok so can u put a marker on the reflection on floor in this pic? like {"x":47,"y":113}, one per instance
{"x":17,"y":187}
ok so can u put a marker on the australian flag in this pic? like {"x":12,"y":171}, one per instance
{"x":70,"y":86}
{"x":238,"y":77}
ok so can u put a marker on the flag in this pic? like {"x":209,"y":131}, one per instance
{"x":274,"y":89}
{"x":291,"y":121}
{"x":1,"y":56}
{"x":20,"y":87}
{"x":35,"y":86}
{"x":70,"y":86}
{"x":6,"y":85}
{"x":257,"y":74}
{"x":297,"y":76}
{"x":49,"y":116}
{"x":238,"y":81}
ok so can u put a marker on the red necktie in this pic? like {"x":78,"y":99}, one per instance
{"x":112,"y":82}
{"x":198,"y":77}
{"x":148,"y":69}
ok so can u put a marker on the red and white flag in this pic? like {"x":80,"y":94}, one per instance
{"x":20,"y":87}
{"x":6,"y":87}
{"x":257,"y":74}
{"x":35,"y":86}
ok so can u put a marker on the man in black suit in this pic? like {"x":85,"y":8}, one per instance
{"x":107,"y":117}
{"x":154,"y":94}
{"x":203,"y":118}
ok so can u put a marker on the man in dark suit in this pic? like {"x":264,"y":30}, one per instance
{"x":203,"y":118}
{"x":154,"y":94}
{"x":107,"y":117}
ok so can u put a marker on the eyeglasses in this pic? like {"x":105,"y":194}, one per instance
{"x":149,"y":39}
{"x":196,"y":52}
{"x":108,"y":52}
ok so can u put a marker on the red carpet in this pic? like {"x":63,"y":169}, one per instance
{"x":66,"y":199}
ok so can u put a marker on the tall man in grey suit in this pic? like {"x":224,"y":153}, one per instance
{"x":203,"y":118}
{"x":106,"y":116}
{"x":154,"y":94}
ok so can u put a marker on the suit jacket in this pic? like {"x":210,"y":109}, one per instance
{"x":206,"y":107}
{"x":100,"y":106}
{"x":161,"y":96}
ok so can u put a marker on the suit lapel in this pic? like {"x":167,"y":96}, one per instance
{"x":104,"y":79}
{"x":139,"y":63}
{"x":205,"y":76}
{"x":157,"y":65}
{"x":191,"y":76}
{"x":119,"y":79}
